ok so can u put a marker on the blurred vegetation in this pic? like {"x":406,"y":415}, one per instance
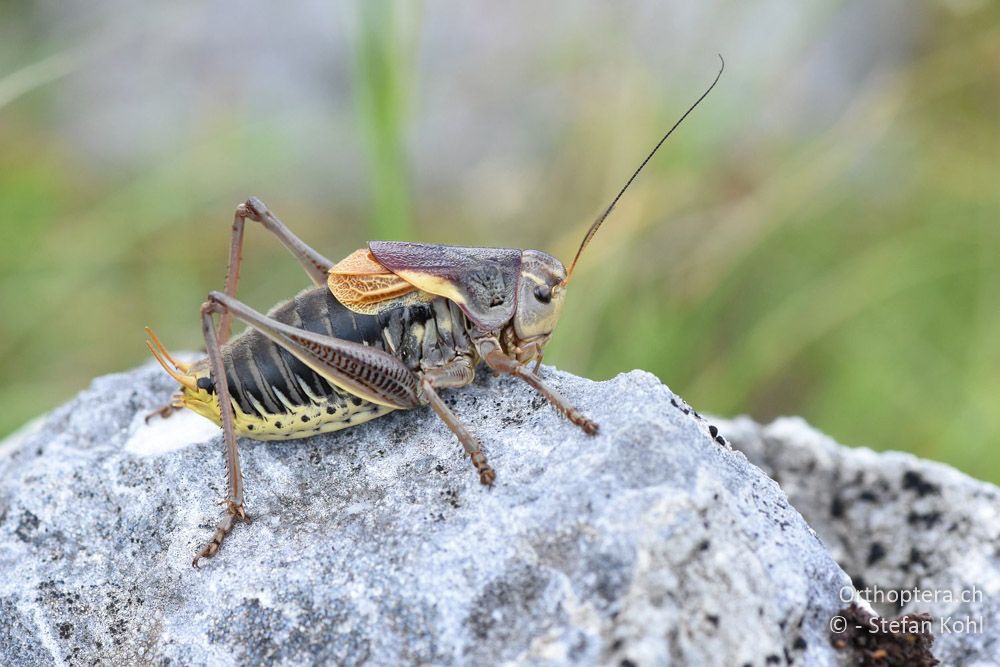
{"x":849,"y":273}
{"x":386,"y":51}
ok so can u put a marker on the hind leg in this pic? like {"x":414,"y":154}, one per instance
{"x":367,"y":372}
{"x":162,"y":412}
{"x":314,"y":264}
{"x":234,"y":476}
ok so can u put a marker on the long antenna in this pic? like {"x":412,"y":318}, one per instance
{"x":601,"y":218}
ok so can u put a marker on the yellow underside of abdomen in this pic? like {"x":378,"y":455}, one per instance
{"x":300,"y":421}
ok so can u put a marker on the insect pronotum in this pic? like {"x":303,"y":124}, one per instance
{"x":383,"y":329}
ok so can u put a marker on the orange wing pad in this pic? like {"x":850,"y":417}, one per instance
{"x":361,"y":262}
{"x":363,"y":285}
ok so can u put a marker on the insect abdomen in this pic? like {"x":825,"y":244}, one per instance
{"x":276,"y":396}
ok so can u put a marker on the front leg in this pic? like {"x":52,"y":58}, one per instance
{"x":500,"y":362}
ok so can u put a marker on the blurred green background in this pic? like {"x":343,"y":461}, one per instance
{"x":822,"y":237}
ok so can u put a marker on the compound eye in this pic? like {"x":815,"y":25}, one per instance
{"x":543,"y":293}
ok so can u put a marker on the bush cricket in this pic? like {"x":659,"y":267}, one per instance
{"x":384,"y":329}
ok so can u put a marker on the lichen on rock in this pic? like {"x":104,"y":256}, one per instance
{"x":651,"y":543}
{"x":916,"y":536}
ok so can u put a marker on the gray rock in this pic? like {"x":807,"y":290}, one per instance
{"x":651,"y":543}
{"x":899,"y":526}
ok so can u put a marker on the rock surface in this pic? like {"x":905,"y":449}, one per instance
{"x":898,"y":525}
{"x":651,"y":543}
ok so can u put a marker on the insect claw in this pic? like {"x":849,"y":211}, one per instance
{"x":589,"y":427}
{"x":233,"y":513}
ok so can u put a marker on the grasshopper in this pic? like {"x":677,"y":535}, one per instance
{"x":384,"y":329}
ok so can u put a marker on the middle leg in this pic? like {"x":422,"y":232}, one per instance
{"x":456,"y":374}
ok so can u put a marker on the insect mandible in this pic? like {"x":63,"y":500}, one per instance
{"x":383,"y":329}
